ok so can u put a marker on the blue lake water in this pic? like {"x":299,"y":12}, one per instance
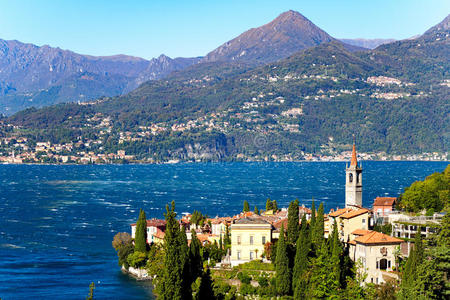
{"x":57,"y":222}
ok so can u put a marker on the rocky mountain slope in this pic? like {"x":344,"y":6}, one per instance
{"x":285,"y":35}
{"x":37,"y":76}
{"x":367,"y":43}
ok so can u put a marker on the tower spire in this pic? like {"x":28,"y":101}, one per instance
{"x":354,"y":161}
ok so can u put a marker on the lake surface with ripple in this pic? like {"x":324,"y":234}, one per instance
{"x":57,"y":222}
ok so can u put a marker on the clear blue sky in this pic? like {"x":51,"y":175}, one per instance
{"x":193,"y":28}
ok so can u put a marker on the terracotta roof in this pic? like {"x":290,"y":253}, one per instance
{"x":203,"y":237}
{"x":154,"y":223}
{"x":361,"y":232}
{"x":354,"y":161}
{"x":278,"y":224}
{"x":159,"y":235}
{"x":339,"y":212}
{"x":253,"y":220}
{"x":384,"y":201}
{"x":375,"y":237}
{"x":303,"y":209}
{"x":354,"y":213}
{"x":352,"y":242}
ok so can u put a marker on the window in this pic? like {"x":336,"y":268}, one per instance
{"x":238,"y":239}
{"x":357,"y":178}
{"x":251,"y":240}
{"x":377,"y":265}
{"x":238,"y":254}
{"x":251,"y":254}
{"x":264,"y":240}
{"x":350,"y":177}
{"x":389,"y":263}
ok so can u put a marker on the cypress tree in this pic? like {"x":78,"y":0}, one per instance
{"x":185,"y":263}
{"x":172,"y":282}
{"x":268,"y":204}
{"x":323,"y":284}
{"x":313,"y":219}
{"x":205,"y":290}
{"x":256,"y":210}
{"x":227,"y":238}
{"x":283,"y":273}
{"x":336,"y":251}
{"x":275,"y":206}
{"x":140,"y":240}
{"x":246,"y":206}
{"x":293,"y":225}
{"x":195,"y":257}
{"x":409,"y":276}
{"x":301,"y":257}
{"x":319,"y":226}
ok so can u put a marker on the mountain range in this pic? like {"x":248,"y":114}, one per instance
{"x":394,"y":99}
{"x":39,"y":76}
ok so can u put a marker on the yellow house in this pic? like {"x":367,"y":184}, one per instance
{"x":248,"y":237}
{"x":352,"y":220}
{"x":348,"y":220}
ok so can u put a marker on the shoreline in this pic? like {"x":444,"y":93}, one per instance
{"x":210,"y":162}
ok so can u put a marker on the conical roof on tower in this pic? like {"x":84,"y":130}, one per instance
{"x":354,"y":161}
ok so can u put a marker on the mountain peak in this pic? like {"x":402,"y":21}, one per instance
{"x":442,"y":26}
{"x":289,"y":15}
{"x":286,"y":34}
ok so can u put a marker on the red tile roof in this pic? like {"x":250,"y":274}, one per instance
{"x":384,"y":201}
{"x":339,"y":212}
{"x":354,"y":213}
{"x":361,"y":232}
{"x":375,"y":237}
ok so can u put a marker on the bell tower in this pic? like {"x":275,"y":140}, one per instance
{"x":353,"y":182}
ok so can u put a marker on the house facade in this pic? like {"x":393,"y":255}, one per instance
{"x":248,"y":237}
{"x":376,"y":252}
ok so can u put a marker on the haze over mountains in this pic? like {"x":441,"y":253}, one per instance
{"x":39,"y":76}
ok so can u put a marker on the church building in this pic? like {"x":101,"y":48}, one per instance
{"x":353,"y":183}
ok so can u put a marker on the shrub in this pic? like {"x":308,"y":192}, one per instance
{"x":137,"y":259}
{"x":244,"y":278}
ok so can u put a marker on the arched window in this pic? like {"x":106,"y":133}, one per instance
{"x":357,"y":178}
{"x":350,"y":177}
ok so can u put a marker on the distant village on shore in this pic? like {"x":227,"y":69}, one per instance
{"x":18,"y":150}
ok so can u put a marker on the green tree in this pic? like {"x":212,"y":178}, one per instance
{"x":171,"y":286}
{"x":195,"y":257}
{"x":269,"y":204}
{"x":205,"y":290}
{"x":319,"y":226}
{"x":185,"y":263}
{"x":323,"y":283}
{"x":227,"y":238}
{"x":140,"y":240}
{"x":301,"y":256}
{"x":246,"y":206}
{"x":91,"y":292}
{"x":137,"y":259}
{"x":256,"y":210}
{"x":409,"y":285}
{"x":293,"y":224}
{"x":313,"y":220}
{"x":121,"y":239}
{"x":283,"y":273}
{"x":274,"y":205}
